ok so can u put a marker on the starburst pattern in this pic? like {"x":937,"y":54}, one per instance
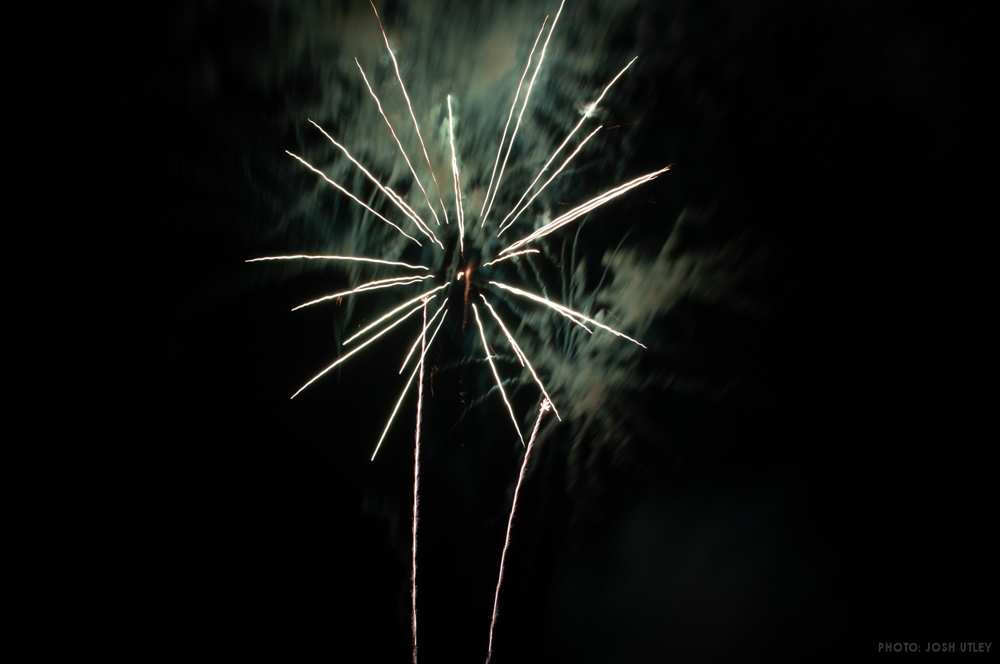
{"x":477,"y":280}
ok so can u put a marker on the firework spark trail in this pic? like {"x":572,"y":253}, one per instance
{"x":513,"y":255}
{"x":410,"y":213}
{"x":524,"y":105}
{"x":589,"y":111}
{"x":397,"y":200}
{"x":457,"y":181}
{"x":566,"y":311}
{"x":584,"y":208}
{"x":321,"y":257}
{"x":344,"y":358}
{"x":508,"y":224}
{"x":510,"y":523}
{"x":489,"y":357}
{"x":406,"y":389}
{"x":399,"y":144}
{"x":364,"y":288}
{"x":416,"y":342}
{"x":350,"y":195}
{"x":416,"y":125}
{"x":391,"y":313}
{"x":510,"y":115}
{"x":416,"y":478}
{"x":521,"y":356}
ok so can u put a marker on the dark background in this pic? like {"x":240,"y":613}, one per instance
{"x":840,"y":502}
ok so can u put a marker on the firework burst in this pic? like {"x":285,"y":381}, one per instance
{"x":460,"y":251}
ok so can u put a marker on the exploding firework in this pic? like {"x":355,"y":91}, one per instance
{"x":460,"y":246}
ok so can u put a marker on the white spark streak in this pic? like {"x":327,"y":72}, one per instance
{"x":416,"y":342}
{"x":320,"y":257}
{"x":513,"y":255}
{"x":584,"y":208}
{"x":349,"y":195}
{"x":590,"y":109}
{"x":521,"y":356}
{"x":569,"y":314}
{"x":406,"y":389}
{"x":489,"y":358}
{"x":507,"y":224}
{"x":369,"y":286}
{"x":565,"y":311}
{"x":457,"y":182}
{"x":388,"y":191}
{"x":510,"y":523}
{"x":524,"y":104}
{"x":399,"y":144}
{"x":416,"y":125}
{"x":416,"y":480}
{"x":344,"y":358}
{"x":510,"y":115}
{"x":393,"y":312}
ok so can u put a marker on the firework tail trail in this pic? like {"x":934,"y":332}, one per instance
{"x":509,"y":256}
{"x":585,"y":207}
{"x":505,"y":226}
{"x":364,"y":288}
{"x":510,"y":522}
{"x":399,"y":144}
{"x":524,"y":105}
{"x":409,"y":106}
{"x":457,"y":182}
{"x":510,"y":115}
{"x":344,"y":358}
{"x":397,"y":200}
{"x":566,"y":311}
{"x":321,"y":257}
{"x":406,"y":389}
{"x":416,"y":480}
{"x":489,"y":357}
{"x":349,"y":195}
{"x":389,"y":314}
{"x":590,"y":108}
{"x":521,"y":356}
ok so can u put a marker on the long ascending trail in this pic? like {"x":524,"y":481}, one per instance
{"x":510,"y":523}
{"x":416,"y":481}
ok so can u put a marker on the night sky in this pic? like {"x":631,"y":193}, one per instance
{"x":788,"y":488}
